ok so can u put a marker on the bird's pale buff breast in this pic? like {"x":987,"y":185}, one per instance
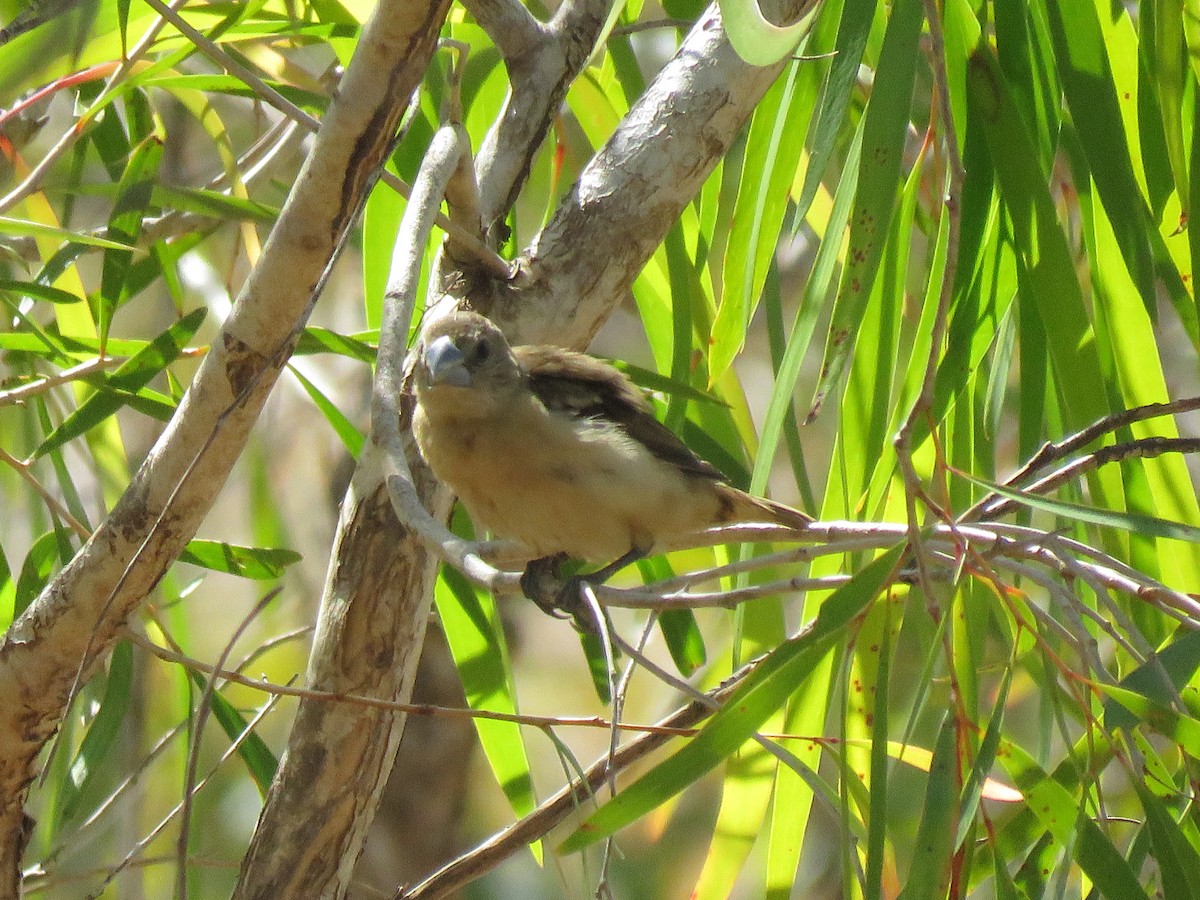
{"x":563,"y":485}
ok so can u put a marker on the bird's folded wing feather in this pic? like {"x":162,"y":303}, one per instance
{"x":578,"y":385}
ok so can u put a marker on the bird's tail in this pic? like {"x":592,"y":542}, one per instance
{"x":739,"y":507}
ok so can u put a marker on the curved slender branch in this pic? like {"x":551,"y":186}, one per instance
{"x":1049,"y":452}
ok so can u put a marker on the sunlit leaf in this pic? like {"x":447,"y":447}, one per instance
{"x":258,"y":563}
{"x":130,"y":377}
{"x":757,"y":40}
{"x":23,"y":228}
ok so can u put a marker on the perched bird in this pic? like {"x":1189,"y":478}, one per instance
{"x":562,"y":452}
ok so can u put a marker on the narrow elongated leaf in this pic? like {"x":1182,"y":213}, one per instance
{"x":1178,"y":861}
{"x":24,"y":228}
{"x":125,"y":224}
{"x":8,"y":593}
{"x":68,"y":349}
{"x":40,"y":562}
{"x":979,"y":785}
{"x":935,"y":837}
{"x":878,"y":180}
{"x":853,"y":30}
{"x":227,"y":84}
{"x":1168,"y":66}
{"x":773,"y":150}
{"x":1104,"y":864}
{"x":471,"y":623}
{"x":217,"y":204}
{"x":1135,"y":522}
{"x":1088,"y":84}
{"x":1137,"y":707}
{"x":745,"y":799}
{"x":811,"y":305}
{"x":678,"y":626}
{"x":321,"y":340}
{"x":350,"y":436}
{"x":1025,"y":54}
{"x":131,"y":376}
{"x":672,"y":387}
{"x":258,"y":563}
{"x":102,"y":731}
{"x":1050,"y":279}
{"x":873,"y":657}
{"x":38,"y":291}
{"x":259,"y":760}
{"x":1159,"y":678}
{"x":1061,"y":814}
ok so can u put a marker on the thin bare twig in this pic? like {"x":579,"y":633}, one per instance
{"x":193,"y":756}
{"x":36,"y":882}
{"x":47,"y":382}
{"x":1142,"y":448}
{"x":416,"y":709}
{"x":1051,"y":451}
{"x":74,"y":840}
{"x":654,"y":599}
{"x":270,"y":644}
{"x":166,"y":820}
{"x":23,"y":469}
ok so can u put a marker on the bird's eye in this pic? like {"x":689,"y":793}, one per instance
{"x":482,"y":351}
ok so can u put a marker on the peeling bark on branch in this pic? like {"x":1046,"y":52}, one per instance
{"x":372,"y":626}
{"x":81,"y":611}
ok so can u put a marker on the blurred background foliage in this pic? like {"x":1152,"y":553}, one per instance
{"x":795,"y":299}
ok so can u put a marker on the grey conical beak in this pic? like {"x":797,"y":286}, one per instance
{"x":446,"y":363}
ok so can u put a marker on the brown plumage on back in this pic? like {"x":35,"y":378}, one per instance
{"x":561,"y":451}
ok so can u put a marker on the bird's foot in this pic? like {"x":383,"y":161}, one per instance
{"x":561,"y":597}
{"x":542,"y":584}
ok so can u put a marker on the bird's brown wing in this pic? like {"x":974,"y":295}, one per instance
{"x":578,"y":385}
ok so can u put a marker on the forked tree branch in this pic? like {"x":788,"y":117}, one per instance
{"x":628,"y":196}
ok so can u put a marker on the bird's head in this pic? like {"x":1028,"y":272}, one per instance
{"x":465,"y":365}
